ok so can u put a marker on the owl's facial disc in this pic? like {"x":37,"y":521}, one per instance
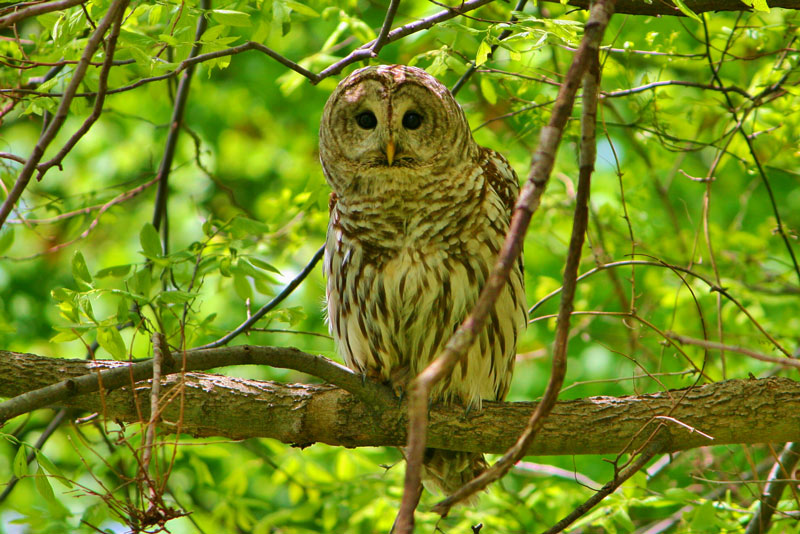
{"x":391,"y":125}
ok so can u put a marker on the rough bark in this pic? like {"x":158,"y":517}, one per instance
{"x":734,"y":411}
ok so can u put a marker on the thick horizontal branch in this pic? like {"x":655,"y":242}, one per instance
{"x":665,"y":7}
{"x":734,"y":411}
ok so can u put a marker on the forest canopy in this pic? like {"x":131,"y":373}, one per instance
{"x":163,"y":204}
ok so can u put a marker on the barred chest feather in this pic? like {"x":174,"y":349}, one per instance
{"x":403,"y":273}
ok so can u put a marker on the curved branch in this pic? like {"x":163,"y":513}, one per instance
{"x":63,"y":109}
{"x":253,"y":319}
{"x":37,"y":9}
{"x":112,"y":375}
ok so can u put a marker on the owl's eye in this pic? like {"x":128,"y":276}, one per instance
{"x":412,"y":120}
{"x":366,"y":120}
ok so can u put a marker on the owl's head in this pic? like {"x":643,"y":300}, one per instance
{"x":388,"y":121}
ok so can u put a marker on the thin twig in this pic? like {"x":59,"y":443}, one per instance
{"x":266,"y":308}
{"x":709,"y":283}
{"x":784,"y":465}
{"x":786,"y":362}
{"x":619,"y":478}
{"x":37,"y":9}
{"x":159,"y":347}
{"x":181,"y":97}
{"x":756,"y":159}
{"x":385,"y":28}
{"x":63,"y":109}
{"x":97,"y":109}
{"x":504,"y":34}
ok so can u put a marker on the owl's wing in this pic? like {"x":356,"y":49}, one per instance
{"x":501,"y":178}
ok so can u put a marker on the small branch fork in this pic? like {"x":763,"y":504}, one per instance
{"x":280,"y":357}
{"x":586,"y":58}
{"x":115,"y":11}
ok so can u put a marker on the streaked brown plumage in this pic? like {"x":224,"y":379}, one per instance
{"x":417,"y":216}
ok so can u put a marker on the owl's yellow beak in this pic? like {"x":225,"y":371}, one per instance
{"x":390,"y":151}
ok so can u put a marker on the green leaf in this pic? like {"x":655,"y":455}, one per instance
{"x":20,"y":465}
{"x":686,"y":11}
{"x":51,"y":468}
{"x":761,"y":5}
{"x":151,"y":243}
{"x":176,"y":296}
{"x":303,"y":9}
{"x":64,"y":336}
{"x":246,"y":268}
{"x":263,"y":265}
{"x":487,"y":88}
{"x":6,"y":237}
{"x":242,"y":286}
{"x":116,"y":271}
{"x":111,"y":340}
{"x":483,"y":53}
{"x":231,"y":18}
{"x":242,"y":227}
{"x":43,"y":486}
{"x":79,"y":270}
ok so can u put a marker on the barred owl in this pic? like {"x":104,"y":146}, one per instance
{"x":418,"y":214}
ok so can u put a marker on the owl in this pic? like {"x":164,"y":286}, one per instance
{"x":418,"y":213}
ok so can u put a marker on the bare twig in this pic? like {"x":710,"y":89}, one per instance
{"x":12,"y":157}
{"x":97,"y":109}
{"x":786,"y":362}
{"x":122,"y":197}
{"x":756,"y":159}
{"x":181,"y":97}
{"x":666,"y":83}
{"x":63,"y":109}
{"x":619,"y":478}
{"x":784,"y":467}
{"x":504,"y":34}
{"x":36,"y":9}
{"x":674,"y":268}
{"x":391,"y":11}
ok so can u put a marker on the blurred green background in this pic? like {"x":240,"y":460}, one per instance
{"x":676,"y":182}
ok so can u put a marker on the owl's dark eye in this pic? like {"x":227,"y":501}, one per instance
{"x":366,"y":120}
{"x":412,"y":120}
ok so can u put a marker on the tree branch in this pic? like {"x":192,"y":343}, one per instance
{"x":733,"y":411}
{"x":120,"y":374}
{"x":37,"y":9}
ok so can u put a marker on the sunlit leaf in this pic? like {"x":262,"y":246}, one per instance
{"x":111,"y":340}
{"x":231,"y":18}
{"x":150,"y":242}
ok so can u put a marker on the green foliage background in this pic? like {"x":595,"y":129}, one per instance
{"x":248,"y":208}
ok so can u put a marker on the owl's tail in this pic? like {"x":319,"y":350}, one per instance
{"x":447,"y":471}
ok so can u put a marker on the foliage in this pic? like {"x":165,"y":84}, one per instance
{"x":698,"y":167}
